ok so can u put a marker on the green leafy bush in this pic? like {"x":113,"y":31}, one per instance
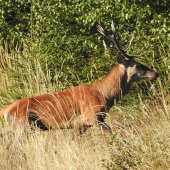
{"x":63,"y":33}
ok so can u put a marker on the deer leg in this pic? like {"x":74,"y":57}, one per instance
{"x":98,"y":121}
{"x":36,"y":122}
{"x":83,"y":128}
{"x":102,"y":124}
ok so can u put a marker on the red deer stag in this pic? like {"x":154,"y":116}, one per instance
{"x":86,"y":104}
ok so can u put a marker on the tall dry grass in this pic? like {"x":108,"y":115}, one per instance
{"x":140,"y":138}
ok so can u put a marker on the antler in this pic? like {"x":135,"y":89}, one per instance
{"x":115,"y":39}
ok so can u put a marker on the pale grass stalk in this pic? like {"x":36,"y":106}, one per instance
{"x":140,"y":138}
{"x":55,"y":150}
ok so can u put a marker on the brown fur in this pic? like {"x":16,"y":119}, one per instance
{"x":82,"y":105}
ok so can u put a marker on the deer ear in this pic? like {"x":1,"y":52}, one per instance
{"x":120,"y":58}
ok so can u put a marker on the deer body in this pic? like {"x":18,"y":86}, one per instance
{"x":56,"y":108}
{"x":82,"y":105}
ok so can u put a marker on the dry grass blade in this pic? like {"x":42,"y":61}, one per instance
{"x":140,"y":139}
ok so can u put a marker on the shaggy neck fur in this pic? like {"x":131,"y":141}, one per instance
{"x":114,"y":85}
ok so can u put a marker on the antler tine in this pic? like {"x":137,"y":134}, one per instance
{"x":104,"y":44}
{"x":138,"y":54}
{"x":128,"y":46}
{"x":113,"y":27}
{"x":101,"y":30}
{"x":115,"y":39}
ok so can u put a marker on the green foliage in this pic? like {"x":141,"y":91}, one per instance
{"x":63,"y":33}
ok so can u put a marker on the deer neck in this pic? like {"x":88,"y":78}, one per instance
{"x":115,"y":84}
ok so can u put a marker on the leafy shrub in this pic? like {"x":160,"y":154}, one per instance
{"x":63,"y":33}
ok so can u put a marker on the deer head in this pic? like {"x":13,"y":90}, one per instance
{"x":135,"y":71}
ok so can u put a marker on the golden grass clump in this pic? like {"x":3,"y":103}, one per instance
{"x":140,"y":133}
